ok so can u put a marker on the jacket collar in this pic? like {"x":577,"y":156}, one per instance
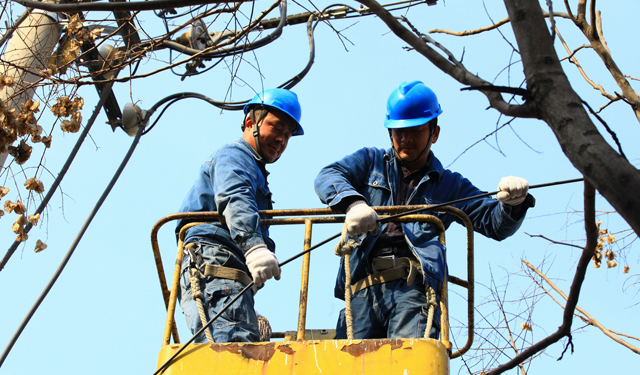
{"x":434,"y":170}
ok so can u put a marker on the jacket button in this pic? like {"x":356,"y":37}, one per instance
{"x":375,"y":182}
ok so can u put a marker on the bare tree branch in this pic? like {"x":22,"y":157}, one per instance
{"x":457,"y":72}
{"x":591,"y":320}
{"x":117,"y":6}
{"x":553,"y":241}
{"x":490,"y":27}
{"x":567,"y":319}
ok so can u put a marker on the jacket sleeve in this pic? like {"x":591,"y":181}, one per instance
{"x":343,"y":180}
{"x":490,"y":217}
{"x":235,"y":181}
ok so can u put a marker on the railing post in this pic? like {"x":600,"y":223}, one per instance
{"x":304,"y":287}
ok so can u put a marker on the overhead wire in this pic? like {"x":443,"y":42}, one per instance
{"x":72,"y":248}
{"x":63,"y":171}
{"x":327,"y":240}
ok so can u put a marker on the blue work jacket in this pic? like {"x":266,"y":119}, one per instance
{"x":233,"y":181}
{"x":372,"y":174}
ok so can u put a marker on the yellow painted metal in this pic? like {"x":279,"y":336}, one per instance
{"x":313,"y":351}
{"x":313,"y":357}
{"x":304,"y":287}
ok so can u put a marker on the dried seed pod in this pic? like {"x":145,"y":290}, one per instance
{"x":626,"y":269}
{"x":40,"y":246}
{"x":33,"y":219}
{"x":35,"y":185}
{"x":611,"y":264}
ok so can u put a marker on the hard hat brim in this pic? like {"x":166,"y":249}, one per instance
{"x":410,"y":123}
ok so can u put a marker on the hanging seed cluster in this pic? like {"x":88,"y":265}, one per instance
{"x":19,"y":130}
{"x":604,"y":249}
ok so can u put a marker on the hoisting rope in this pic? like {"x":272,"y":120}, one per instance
{"x":194,"y":277}
{"x":431,"y":309}
{"x":345,"y":249}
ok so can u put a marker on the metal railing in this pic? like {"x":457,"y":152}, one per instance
{"x":309,"y":217}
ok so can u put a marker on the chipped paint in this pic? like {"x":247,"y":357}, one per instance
{"x":428,"y":357}
{"x":262,"y":352}
{"x":371,"y":346}
{"x":286,"y":349}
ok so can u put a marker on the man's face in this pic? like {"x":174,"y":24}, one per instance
{"x":409,"y":143}
{"x":275,"y":130}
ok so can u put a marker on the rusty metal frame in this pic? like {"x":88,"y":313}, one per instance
{"x":308,"y":217}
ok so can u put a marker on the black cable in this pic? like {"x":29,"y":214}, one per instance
{"x":161,"y":14}
{"x":75,"y":243}
{"x":383,"y":220}
{"x":232,"y":49}
{"x":63,"y":170}
{"x":234,"y":299}
{"x":114,"y":6}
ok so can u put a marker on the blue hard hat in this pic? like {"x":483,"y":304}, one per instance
{"x":411,"y":104}
{"x":281,"y":99}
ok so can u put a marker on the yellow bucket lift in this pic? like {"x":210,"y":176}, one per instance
{"x":310,"y":352}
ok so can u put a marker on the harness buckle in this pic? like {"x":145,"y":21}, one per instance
{"x":195,"y":259}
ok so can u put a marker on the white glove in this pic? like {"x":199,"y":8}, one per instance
{"x":361,"y":219}
{"x":262,"y":264}
{"x":512,"y":190}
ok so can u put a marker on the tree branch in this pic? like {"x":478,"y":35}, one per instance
{"x":561,"y":108}
{"x":567,"y":318}
{"x":118,"y":6}
{"x":490,"y":27}
{"x":553,"y":241}
{"x":591,"y":320}
{"x":458,"y":72}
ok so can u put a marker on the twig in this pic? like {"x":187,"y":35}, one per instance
{"x":490,"y":27}
{"x":582,"y":311}
{"x":553,"y":241}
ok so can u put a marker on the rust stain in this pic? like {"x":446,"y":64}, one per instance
{"x":262,"y":352}
{"x":286,"y":349}
{"x":371,"y":346}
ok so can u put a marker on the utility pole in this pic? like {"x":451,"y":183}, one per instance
{"x":27,"y":53}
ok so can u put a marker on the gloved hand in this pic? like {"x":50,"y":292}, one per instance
{"x":361,"y":219}
{"x":262,"y":264}
{"x":512,"y":190}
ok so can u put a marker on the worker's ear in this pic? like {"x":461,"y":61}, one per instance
{"x":248,"y":124}
{"x":436,"y":134}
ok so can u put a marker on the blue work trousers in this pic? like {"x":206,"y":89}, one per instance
{"x":239,"y":322}
{"x":388,"y":310}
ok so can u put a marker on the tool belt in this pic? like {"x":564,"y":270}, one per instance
{"x":220,"y":272}
{"x":388,"y":269}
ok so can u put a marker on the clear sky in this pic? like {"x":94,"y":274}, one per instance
{"x":106,"y":314}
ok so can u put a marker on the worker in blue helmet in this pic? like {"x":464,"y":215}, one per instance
{"x":222,"y":258}
{"x":398,"y":269}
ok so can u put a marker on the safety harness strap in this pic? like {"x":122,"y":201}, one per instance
{"x":394,"y":269}
{"x":227,"y":273}
{"x":385,"y":263}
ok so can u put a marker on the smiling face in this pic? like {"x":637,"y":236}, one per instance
{"x":274,"y":133}
{"x":412,"y":144}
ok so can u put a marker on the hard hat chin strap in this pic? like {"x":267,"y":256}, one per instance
{"x":256,"y":128}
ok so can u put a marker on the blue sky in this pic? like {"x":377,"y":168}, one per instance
{"x":106,"y":315}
